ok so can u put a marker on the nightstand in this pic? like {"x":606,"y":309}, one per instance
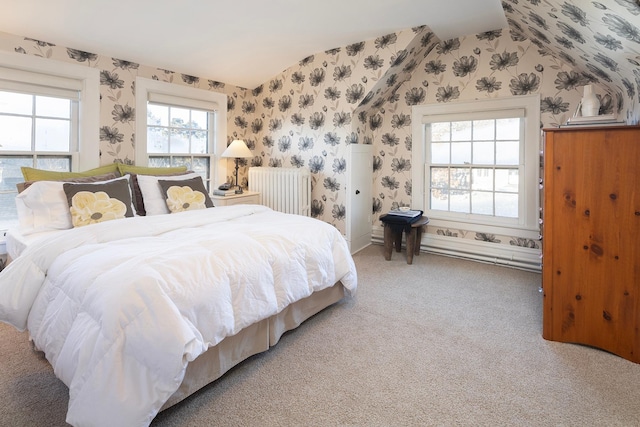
{"x":246,"y":198}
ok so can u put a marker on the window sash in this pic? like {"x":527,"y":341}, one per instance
{"x":458,"y":207}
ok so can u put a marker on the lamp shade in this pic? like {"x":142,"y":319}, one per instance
{"x":237,"y":149}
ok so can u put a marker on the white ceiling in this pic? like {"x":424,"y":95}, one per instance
{"x":241,"y":42}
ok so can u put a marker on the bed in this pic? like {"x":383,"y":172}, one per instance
{"x":136,"y":314}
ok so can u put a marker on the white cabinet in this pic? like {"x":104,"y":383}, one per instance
{"x":359,"y":200}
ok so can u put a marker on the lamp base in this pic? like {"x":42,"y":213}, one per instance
{"x":239,"y":190}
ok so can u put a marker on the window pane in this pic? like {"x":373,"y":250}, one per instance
{"x":482,"y":203}
{"x":440,"y":152}
{"x":53,"y":107}
{"x":160,"y":162}
{"x":483,"y":153}
{"x":460,"y":131}
{"x":200,"y":165}
{"x":482,"y":179}
{"x":199,"y":119}
{"x":440,"y":199}
{"x":507,"y":205}
{"x":157,"y":115}
{"x":16,"y":133}
{"x":52,"y":135}
{"x":440,"y":131}
{"x":460,"y":178}
{"x":157,"y":140}
{"x":198,"y":142}
{"x":508,"y":128}
{"x":484,"y":130}
{"x":179,"y":116}
{"x":508,"y":153}
{"x":16,"y":103}
{"x":54,"y":163}
{"x":461,"y":153}
{"x":507,"y":180}
{"x":459,"y":201}
{"x":181,"y":161}
{"x":179,"y":142}
{"x":440,"y":177}
{"x":10,"y":173}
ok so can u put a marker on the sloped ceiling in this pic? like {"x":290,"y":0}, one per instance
{"x":599,"y":40}
{"x":243,"y":43}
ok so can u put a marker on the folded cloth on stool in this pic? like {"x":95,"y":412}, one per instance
{"x":400,"y":221}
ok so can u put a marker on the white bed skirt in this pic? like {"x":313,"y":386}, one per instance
{"x":254,"y":339}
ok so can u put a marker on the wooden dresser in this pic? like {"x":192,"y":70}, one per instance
{"x":591,"y":238}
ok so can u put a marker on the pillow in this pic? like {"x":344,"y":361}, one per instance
{"x":93,"y":203}
{"x":31,"y":174}
{"x":96,"y":178}
{"x":43,"y":207}
{"x":136,"y":194}
{"x":144,"y":170}
{"x":185,"y":195}
{"x":152,"y":196}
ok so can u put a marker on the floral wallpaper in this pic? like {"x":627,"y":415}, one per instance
{"x":117,"y":90}
{"x":363,"y":93}
{"x":599,"y":41}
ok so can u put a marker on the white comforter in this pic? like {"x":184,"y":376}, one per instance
{"x":120,"y":307}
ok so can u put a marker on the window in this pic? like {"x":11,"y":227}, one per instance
{"x":179,"y":136}
{"x":480,"y":165}
{"x":184,"y":126}
{"x":41,"y":103}
{"x":474,"y":166}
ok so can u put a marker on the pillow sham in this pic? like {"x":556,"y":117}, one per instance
{"x":94,"y":203}
{"x":43,"y":207}
{"x":152,"y":195}
{"x":185,"y":195}
{"x":32,"y":174}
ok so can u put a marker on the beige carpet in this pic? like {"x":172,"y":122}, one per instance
{"x":442,"y":342}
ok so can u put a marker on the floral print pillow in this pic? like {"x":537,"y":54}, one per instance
{"x":185,"y":195}
{"x":94,"y":203}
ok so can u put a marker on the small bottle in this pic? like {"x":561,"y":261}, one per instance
{"x":590,"y":103}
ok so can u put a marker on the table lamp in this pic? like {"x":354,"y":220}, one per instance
{"x":237,"y":149}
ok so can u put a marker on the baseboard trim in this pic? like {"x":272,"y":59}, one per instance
{"x":492,"y":253}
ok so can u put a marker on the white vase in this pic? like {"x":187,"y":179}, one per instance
{"x":590,"y":103}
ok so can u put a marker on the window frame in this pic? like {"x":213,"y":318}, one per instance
{"x":196,"y":97}
{"x":526,"y":225}
{"x":19,"y":69}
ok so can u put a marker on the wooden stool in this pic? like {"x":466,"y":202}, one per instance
{"x":414,"y":236}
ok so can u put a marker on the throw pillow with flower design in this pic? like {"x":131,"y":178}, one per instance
{"x":93,"y":203}
{"x":185,"y":195}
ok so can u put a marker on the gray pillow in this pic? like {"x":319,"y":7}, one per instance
{"x":185,"y":195}
{"x":93,"y":203}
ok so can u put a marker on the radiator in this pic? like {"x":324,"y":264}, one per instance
{"x":285,"y":190}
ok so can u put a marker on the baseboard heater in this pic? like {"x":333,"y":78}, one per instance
{"x":490,"y":253}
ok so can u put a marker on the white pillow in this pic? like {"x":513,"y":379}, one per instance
{"x":43,"y":206}
{"x":152,"y":197}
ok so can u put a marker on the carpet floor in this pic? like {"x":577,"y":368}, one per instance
{"x":442,"y":342}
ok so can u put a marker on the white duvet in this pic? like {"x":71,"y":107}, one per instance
{"x":120,"y":307}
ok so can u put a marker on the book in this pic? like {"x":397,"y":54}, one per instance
{"x":404,"y":214}
{"x":604,"y":118}
{"x":230,"y":192}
